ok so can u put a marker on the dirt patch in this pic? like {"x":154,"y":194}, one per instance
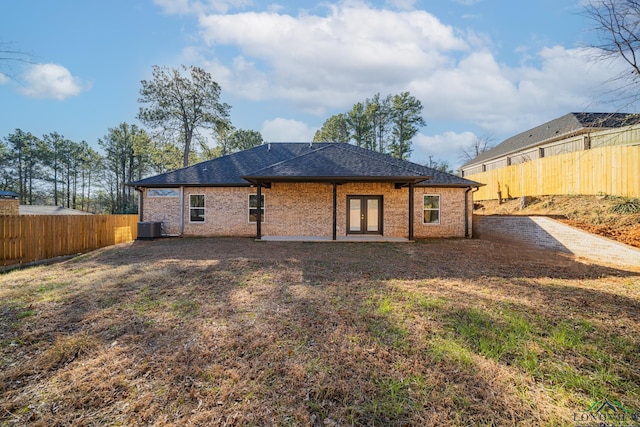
{"x":237,"y":332}
{"x":589,"y":213}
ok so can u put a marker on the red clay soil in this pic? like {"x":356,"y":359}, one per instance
{"x":629,"y":235}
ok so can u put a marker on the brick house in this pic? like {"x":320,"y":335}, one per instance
{"x":325,"y":190}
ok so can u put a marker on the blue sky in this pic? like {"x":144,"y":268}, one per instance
{"x":479,"y":67}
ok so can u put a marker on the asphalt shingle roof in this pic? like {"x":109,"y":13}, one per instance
{"x":338,"y":161}
{"x":8,"y":195}
{"x":565,"y":125}
{"x":49,"y":210}
{"x":302,"y":161}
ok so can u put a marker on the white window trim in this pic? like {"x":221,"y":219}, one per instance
{"x":264,"y":209}
{"x":203,"y":208}
{"x":165,"y":196}
{"x":439,"y":209}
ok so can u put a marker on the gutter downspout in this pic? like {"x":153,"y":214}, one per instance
{"x":140,"y":204}
{"x":466,"y":211}
{"x":181,"y":210}
{"x":259,"y":209}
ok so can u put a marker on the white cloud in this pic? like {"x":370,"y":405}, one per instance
{"x":467,"y":2}
{"x":51,"y":81}
{"x":286,"y":130}
{"x":172,"y":7}
{"x":275,"y":7}
{"x":504,"y":99}
{"x":184,"y":7}
{"x":323,"y":63}
{"x":4,"y":79}
{"x":352,"y":52}
{"x":402,"y":4}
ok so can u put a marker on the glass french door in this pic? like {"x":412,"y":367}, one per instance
{"x":364,"y":214}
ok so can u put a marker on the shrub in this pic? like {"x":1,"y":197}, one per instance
{"x":628,"y":206}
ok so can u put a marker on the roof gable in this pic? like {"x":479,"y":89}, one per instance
{"x":438,"y":178}
{"x":336,"y":160}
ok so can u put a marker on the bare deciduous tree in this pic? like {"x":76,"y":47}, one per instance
{"x":9,"y":56}
{"x":617,"y":23}
{"x":478,"y":146}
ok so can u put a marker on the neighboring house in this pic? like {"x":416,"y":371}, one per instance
{"x":581,"y":134}
{"x":9,"y":203}
{"x":8,"y":195}
{"x":328,"y":190}
{"x":49,"y":210}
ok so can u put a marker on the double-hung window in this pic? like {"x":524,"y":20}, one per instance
{"x":431,"y":209}
{"x":196,"y":208}
{"x":253,"y":208}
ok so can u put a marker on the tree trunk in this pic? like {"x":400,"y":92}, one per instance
{"x":55,"y":182}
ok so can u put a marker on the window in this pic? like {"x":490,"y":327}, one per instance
{"x":196,"y":208}
{"x":253,"y":208}
{"x":162,"y":192}
{"x":431,"y":209}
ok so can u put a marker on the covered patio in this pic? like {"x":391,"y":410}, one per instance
{"x":365,"y":238}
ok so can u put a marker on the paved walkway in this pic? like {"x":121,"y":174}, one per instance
{"x":551,"y":234}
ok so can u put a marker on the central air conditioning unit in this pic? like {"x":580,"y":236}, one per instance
{"x":149,"y":230}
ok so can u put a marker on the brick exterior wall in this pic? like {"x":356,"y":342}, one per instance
{"x":9,"y":207}
{"x":305,"y":209}
{"x":299,"y":209}
{"x":451,"y":213}
{"x":550,"y":234}
{"x":162,"y":209}
{"x":395,"y":205}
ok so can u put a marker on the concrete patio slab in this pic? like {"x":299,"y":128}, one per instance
{"x":339,"y":239}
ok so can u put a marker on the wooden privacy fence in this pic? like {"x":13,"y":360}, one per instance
{"x":611,"y":170}
{"x":28,"y":238}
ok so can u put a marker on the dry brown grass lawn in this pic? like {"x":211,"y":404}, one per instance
{"x":235,"y":332}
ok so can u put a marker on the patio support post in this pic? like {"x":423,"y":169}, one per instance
{"x":182,"y":210}
{"x":411,"y":210}
{"x":259,"y":213}
{"x":335,"y":210}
